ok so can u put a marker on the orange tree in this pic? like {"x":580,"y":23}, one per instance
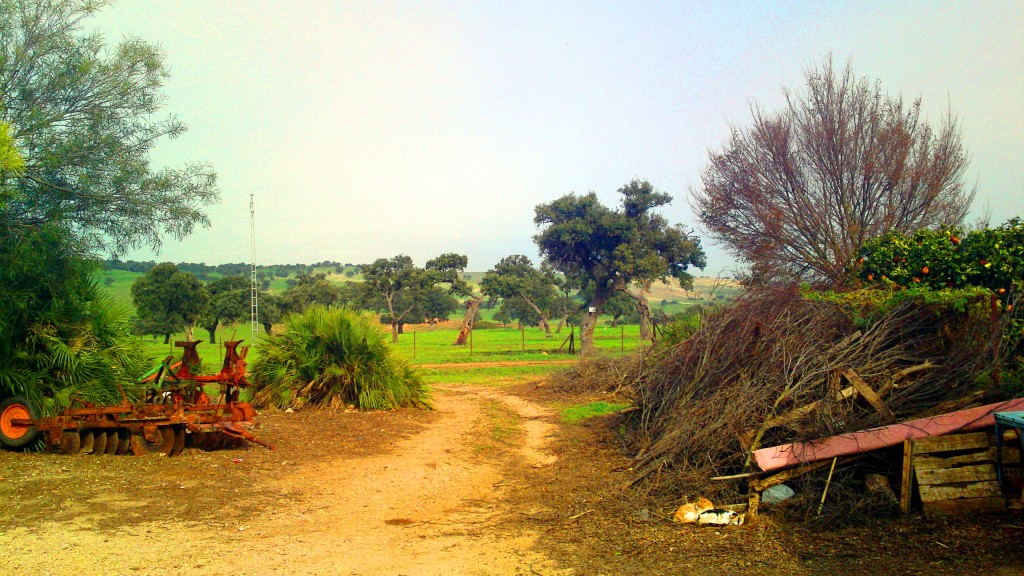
{"x":948,"y":259}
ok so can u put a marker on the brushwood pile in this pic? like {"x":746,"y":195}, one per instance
{"x":703,"y":403}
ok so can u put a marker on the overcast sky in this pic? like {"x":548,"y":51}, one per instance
{"x":370,"y":129}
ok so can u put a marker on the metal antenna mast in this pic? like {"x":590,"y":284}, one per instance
{"x":255,"y":331}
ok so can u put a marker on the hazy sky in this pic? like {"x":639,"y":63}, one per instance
{"x":369,"y":129}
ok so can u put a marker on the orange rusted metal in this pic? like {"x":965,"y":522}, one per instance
{"x":175,"y":404}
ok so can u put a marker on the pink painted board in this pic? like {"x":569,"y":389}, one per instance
{"x":788,"y":455}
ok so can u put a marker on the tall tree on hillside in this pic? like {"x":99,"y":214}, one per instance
{"x":797,"y":194}
{"x":514,"y":276}
{"x":610,"y":249}
{"x":230,"y":301}
{"x":167,"y":300}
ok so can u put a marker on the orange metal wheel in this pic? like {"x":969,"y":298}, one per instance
{"x":16,"y":435}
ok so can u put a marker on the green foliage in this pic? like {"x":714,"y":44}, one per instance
{"x":230,"y":301}
{"x":167,"y":299}
{"x":333,"y":357}
{"x":969,"y":265}
{"x":607,"y":250}
{"x":681,"y":327}
{"x":947,"y":258}
{"x":581,"y":412}
{"x":60,"y":337}
{"x":405,"y":293}
{"x":84,"y":118}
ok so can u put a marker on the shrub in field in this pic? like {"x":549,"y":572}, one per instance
{"x":333,"y":357}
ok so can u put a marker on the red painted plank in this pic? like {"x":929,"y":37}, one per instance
{"x":788,"y":455}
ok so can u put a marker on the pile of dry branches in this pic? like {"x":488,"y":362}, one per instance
{"x":778,"y":368}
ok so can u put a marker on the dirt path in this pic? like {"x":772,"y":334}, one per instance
{"x":426,"y":508}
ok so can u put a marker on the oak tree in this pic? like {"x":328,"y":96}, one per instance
{"x":606,"y":250}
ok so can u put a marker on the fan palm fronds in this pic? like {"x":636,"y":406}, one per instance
{"x":333,"y":357}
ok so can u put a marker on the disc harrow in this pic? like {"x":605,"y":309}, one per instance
{"x":177,"y":411}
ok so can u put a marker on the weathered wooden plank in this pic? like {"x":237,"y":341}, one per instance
{"x":870,"y":395}
{"x":951,"y":442}
{"x":908,"y":475}
{"x":952,"y":492}
{"x":964,"y":505}
{"x":929,"y":462}
{"x":975,"y":473}
{"x":786,"y":455}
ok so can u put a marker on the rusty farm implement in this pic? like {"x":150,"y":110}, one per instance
{"x":177,"y":409}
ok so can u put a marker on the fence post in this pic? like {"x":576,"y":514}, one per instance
{"x":470,"y":341}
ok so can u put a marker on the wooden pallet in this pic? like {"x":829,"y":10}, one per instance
{"x":956,"y":473}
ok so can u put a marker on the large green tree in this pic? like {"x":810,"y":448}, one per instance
{"x":77,"y":123}
{"x":515,"y":277}
{"x":797,"y":194}
{"x":404,"y":291}
{"x":309,"y":289}
{"x":84,"y":118}
{"x":606,"y":250}
{"x":167,"y":300}
{"x":230,"y":302}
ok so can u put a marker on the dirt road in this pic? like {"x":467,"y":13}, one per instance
{"x":488,"y":483}
{"x":421,"y":506}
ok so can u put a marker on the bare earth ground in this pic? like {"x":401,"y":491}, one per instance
{"x":488,"y":483}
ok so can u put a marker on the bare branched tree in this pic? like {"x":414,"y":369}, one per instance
{"x":798,"y":193}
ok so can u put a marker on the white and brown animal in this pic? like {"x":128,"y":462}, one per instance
{"x":688,"y":513}
{"x":720,"y":517}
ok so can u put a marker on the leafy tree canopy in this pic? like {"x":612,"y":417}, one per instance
{"x":167,"y":299}
{"x":83,"y":119}
{"x":608,"y":249}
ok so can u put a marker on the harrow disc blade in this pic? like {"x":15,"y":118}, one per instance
{"x":87,"y":441}
{"x":70,"y":442}
{"x":99,"y":442}
{"x":162,"y":442}
{"x":123,"y":444}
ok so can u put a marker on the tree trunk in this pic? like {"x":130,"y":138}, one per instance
{"x":167,"y":338}
{"x":587,"y":326}
{"x":540,"y":314}
{"x":401,"y":327}
{"x":644,"y":308}
{"x":561,"y":322}
{"x":467,"y":323}
{"x":212,"y":331}
{"x":394,"y":332}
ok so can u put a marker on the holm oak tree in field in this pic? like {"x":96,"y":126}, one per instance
{"x":167,"y":299}
{"x":515,"y":277}
{"x":607,"y":250}
{"x":399,"y":287}
{"x":798,"y":193}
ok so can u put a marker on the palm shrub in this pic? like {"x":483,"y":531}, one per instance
{"x":61,"y":338}
{"x":333,"y":357}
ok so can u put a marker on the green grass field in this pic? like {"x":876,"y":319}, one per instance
{"x":422,"y":345}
